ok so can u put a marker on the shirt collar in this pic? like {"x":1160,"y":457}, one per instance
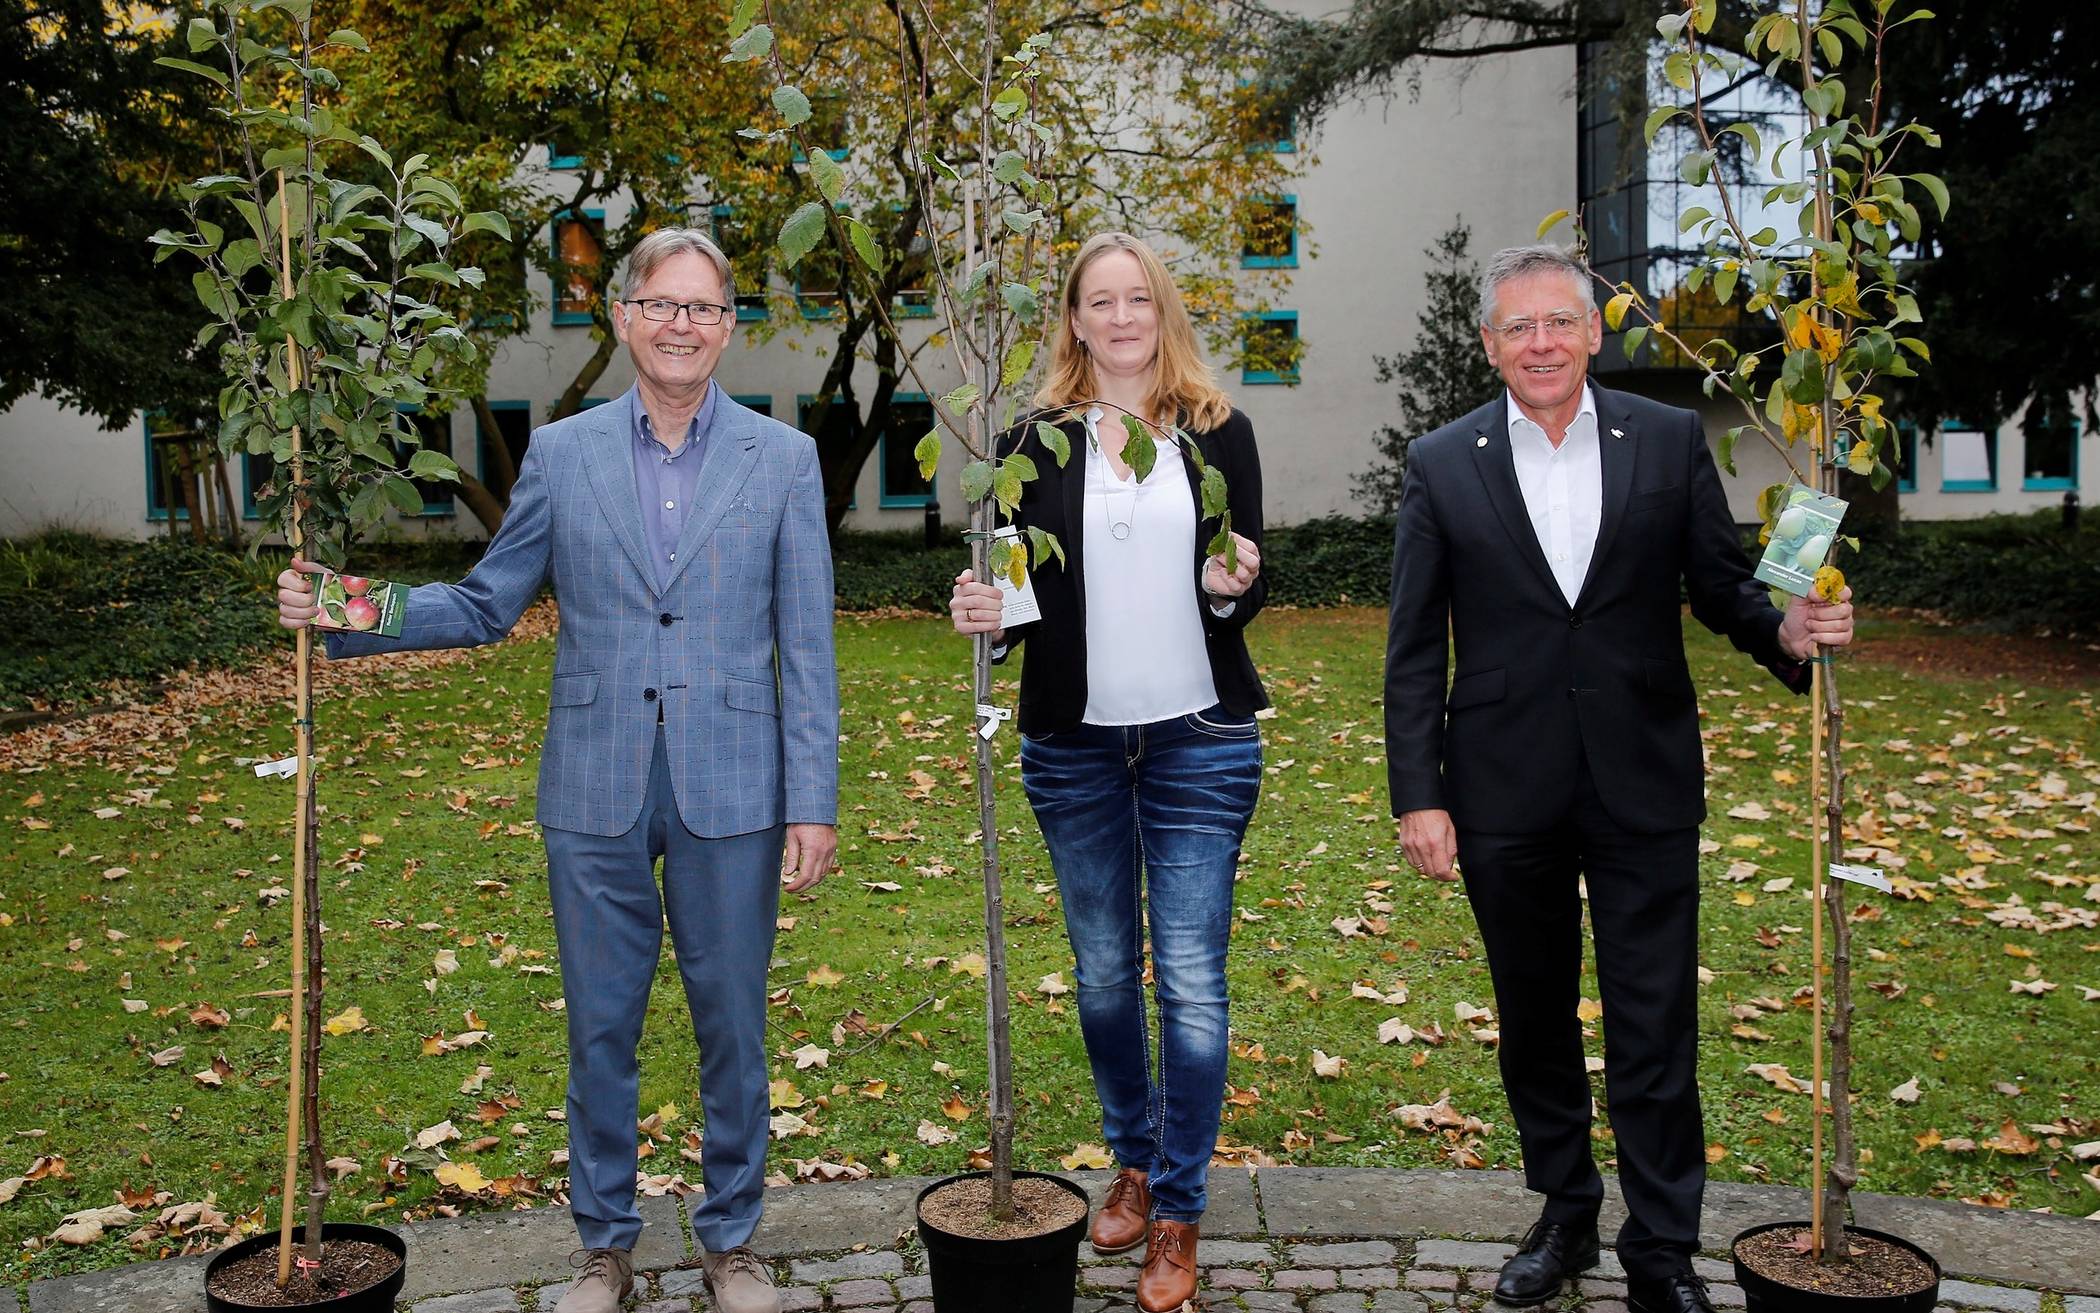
{"x":703,"y":420}
{"x":1587,"y":408}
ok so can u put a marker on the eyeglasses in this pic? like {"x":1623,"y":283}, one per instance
{"x":1563,"y":325}
{"x":704,"y":314}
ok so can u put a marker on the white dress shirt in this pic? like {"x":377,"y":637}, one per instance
{"x":1563,"y":490}
{"x":1145,"y":656}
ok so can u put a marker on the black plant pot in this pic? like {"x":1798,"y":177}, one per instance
{"x":1761,"y":1294}
{"x":372,"y":1299}
{"x":1032,"y":1274}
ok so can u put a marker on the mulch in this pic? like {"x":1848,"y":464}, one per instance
{"x":964,"y":1208}
{"x":347,"y":1266}
{"x":1873,"y":1267}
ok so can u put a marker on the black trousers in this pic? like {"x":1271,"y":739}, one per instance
{"x":1644,"y":915}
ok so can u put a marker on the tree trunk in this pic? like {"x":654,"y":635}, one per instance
{"x":502,"y":473}
{"x":481,"y":501}
{"x":579,"y":387}
{"x":310,"y":1058}
{"x":999,"y":1038}
{"x":1843,"y":1171}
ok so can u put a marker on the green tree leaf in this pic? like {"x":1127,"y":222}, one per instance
{"x":958,"y":400}
{"x":792,"y":104}
{"x":829,"y":177}
{"x":928,"y":454}
{"x":756,"y":42}
{"x":976,"y":480}
{"x":800,"y":234}
{"x":1140,"y":453}
{"x":1054,"y":438}
{"x":1020,"y":357}
{"x":862,"y":240}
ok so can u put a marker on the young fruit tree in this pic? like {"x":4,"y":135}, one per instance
{"x":980,"y":170}
{"x":1819,"y":257}
{"x":321,"y":262}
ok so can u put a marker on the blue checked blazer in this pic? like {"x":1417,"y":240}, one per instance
{"x":736,"y":650}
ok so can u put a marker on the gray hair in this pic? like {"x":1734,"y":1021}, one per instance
{"x":1519,"y":261}
{"x":650,"y":253}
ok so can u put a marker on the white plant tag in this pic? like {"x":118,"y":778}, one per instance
{"x":1870,"y":876}
{"x":991,"y":716}
{"x":1017,"y":606}
{"x":284,"y":769}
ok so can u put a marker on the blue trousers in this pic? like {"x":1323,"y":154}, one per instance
{"x":1148,"y":819}
{"x":721,"y":898}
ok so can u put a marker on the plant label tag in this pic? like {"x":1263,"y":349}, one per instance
{"x":1802,"y":536}
{"x":991,"y":716}
{"x":355,"y":604}
{"x":1017,"y":605}
{"x":1870,"y":876}
{"x":284,"y":769}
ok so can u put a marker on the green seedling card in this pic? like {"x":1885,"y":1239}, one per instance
{"x":1801,"y":538}
{"x":357,"y":604}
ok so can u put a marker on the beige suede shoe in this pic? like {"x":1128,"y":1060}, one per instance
{"x":608,"y":1278}
{"x":740,"y":1282}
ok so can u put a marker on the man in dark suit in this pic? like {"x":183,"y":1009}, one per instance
{"x":1549,"y":536}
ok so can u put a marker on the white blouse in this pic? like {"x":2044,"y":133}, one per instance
{"x":1145,"y":655}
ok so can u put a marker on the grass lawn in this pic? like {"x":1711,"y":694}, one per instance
{"x":142,"y":910}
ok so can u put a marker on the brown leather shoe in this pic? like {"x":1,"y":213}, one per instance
{"x":1168,"y":1282}
{"x":1120,"y":1225}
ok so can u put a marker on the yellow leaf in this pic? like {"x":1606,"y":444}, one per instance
{"x":824,"y":976}
{"x":344,"y":1022}
{"x":1588,"y":1009}
{"x":956,"y":1108}
{"x":969,"y":964}
{"x":465,"y":1176}
{"x":1830,"y":583}
{"x":1086,"y":1155}
{"x":1716,"y":1152}
{"x":1547,"y":224}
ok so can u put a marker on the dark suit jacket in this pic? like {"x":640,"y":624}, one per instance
{"x":1542,"y":686}
{"x":1053,"y":668}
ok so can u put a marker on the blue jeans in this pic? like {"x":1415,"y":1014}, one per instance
{"x":1154,"y":813}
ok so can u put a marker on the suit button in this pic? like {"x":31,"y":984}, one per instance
{"x":648,"y":695}
{"x":1574,"y":622}
{"x":664,"y":619}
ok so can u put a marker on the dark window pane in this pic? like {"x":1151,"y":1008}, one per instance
{"x":909,"y":421}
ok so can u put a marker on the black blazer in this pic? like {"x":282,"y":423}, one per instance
{"x":1542,"y":686}
{"x":1053,"y":668}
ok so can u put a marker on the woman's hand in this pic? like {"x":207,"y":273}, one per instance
{"x":977,"y":608}
{"x":1220,"y":582}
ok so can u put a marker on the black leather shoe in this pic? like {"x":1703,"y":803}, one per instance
{"x":1551,"y":1253}
{"x":1680,"y":1292}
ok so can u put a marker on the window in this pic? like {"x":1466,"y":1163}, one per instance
{"x":560,"y":156}
{"x":1270,"y":348}
{"x":914,"y":299}
{"x":747,"y":259}
{"x":579,"y":248}
{"x":162,"y":470}
{"x":1269,"y":227}
{"x":1906,"y":457}
{"x":757,"y":405}
{"x":1274,"y":127}
{"x":514,"y":430}
{"x":586,"y":404}
{"x":817,"y":284}
{"x":436,"y":432}
{"x":1968,"y":459}
{"x":257,"y":470}
{"x":826,"y":126}
{"x":809,"y":421}
{"x":2052,"y":452}
{"x":911,"y":415}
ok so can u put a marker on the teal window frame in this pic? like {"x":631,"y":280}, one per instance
{"x":156,"y":510}
{"x":448,"y":505}
{"x":557,"y":316}
{"x":482,"y":437}
{"x":1906,"y":457}
{"x":803,"y":402}
{"x":558,"y":161}
{"x":1285,"y":145}
{"x":1990,"y":441}
{"x":1289,"y":259}
{"x":1260,"y":377}
{"x":811,"y":311}
{"x":2052,"y":482}
{"x":898,"y":501}
{"x":762,"y":403}
{"x":248,"y":483}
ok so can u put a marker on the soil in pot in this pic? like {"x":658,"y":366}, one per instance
{"x":964,"y":1208}
{"x":1875,"y":1268}
{"x":347,"y":1267}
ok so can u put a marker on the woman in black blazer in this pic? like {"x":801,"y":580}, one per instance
{"x":1140,"y":752}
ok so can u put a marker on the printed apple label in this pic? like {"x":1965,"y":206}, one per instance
{"x":357,"y":604}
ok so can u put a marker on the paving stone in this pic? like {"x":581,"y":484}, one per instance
{"x":1463,"y":1254}
{"x":501,"y":1300}
{"x":1398,"y":1301}
{"x":1606,"y":1306}
{"x":1967,"y":1294}
{"x":1268,"y":1301}
{"x":1713,"y":1269}
{"x":926,"y":1306}
{"x":1234,"y":1253}
{"x":1299,"y":1278}
{"x":484,"y":1250}
{"x":861,"y":1293}
{"x":1341,"y":1201}
{"x":799,"y":1299}
{"x":174,"y":1285}
{"x":1360,"y":1253}
{"x":874,"y":1263}
{"x":1610,"y":1269}
{"x":2081,"y":1304}
{"x":665,"y":1306}
{"x":1368,"y":1278}
{"x":1726,"y":1296}
{"x":915,"y":1287}
{"x":681,"y":1282}
{"x":823,"y":1219}
{"x":1234,"y":1278}
{"x":1339,"y":1301}
{"x":1112,"y":1278}
{"x":1592,"y":1288}
{"x":1420,"y":1280}
{"x":1230,"y":1208}
{"x":1092,"y":1305}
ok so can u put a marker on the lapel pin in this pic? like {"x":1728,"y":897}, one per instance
{"x":1481,"y":441}
{"x":1618,"y":433}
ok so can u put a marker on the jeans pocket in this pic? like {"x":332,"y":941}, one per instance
{"x":1207,"y":722}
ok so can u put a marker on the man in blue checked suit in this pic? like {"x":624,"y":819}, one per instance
{"x":693,"y":718}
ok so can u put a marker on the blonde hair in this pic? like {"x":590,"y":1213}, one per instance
{"x":1184,"y":388}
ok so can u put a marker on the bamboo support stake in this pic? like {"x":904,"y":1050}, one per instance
{"x":304,"y":730}
{"x":1816,"y":877}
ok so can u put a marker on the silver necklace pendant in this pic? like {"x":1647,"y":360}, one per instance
{"x":1119,"y":529}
